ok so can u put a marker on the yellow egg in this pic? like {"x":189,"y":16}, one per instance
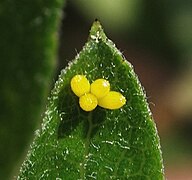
{"x":88,"y":102}
{"x":100,"y":88}
{"x":80,"y":85}
{"x":113,"y":100}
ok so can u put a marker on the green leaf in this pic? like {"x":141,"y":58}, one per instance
{"x":101,"y":144}
{"x":28,"y":49}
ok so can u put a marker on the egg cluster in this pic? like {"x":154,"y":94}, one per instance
{"x":96,"y":93}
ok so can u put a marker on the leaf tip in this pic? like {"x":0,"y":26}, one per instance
{"x":96,"y":32}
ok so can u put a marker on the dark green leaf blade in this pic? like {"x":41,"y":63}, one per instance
{"x":28,"y":49}
{"x":101,"y":144}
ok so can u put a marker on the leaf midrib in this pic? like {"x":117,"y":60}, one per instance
{"x":87,"y":145}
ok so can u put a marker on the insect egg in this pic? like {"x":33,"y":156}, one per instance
{"x":88,"y":102}
{"x":100,"y":88}
{"x":113,"y":100}
{"x":80,"y":85}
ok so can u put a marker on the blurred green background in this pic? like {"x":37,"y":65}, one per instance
{"x":156,"y":37}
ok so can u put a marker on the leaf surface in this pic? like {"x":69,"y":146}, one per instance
{"x":101,"y":144}
{"x":28,"y":49}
